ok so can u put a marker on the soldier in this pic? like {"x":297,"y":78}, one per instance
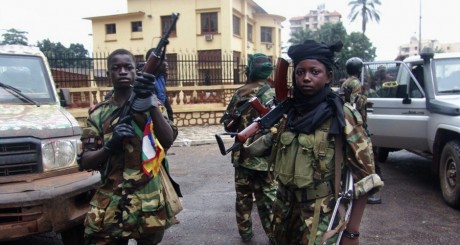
{"x":352,"y":92}
{"x":252,"y":176}
{"x":304,"y":153}
{"x":351,"y":89}
{"x":128,"y":204}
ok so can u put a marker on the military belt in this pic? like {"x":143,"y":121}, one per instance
{"x":322,"y":189}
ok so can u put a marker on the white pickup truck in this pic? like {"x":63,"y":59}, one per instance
{"x":415,"y":105}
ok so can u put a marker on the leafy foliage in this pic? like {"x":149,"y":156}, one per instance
{"x":301,"y":35}
{"x":13,"y":36}
{"x":75,"y":56}
{"x":354,"y":45}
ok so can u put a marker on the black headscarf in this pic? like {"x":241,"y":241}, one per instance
{"x":311,"y":49}
{"x":311,"y":111}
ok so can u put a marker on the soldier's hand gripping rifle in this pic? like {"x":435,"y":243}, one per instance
{"x":269,"y":117}
{"x":140,"y":99}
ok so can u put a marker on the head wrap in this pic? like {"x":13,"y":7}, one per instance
{"x":259,"y":67}
{"x":311,"y":49}
{"x":311,"y":111}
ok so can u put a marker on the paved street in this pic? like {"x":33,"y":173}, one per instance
{"x":412,"y":212}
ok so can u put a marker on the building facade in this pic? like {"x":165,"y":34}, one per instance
{"x":235,"y":27}
{"x":411,"y":48}
{"x":314,"y":19}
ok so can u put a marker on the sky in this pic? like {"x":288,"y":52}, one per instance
{"x":62,"y":20}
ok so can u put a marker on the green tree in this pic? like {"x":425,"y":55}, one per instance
{"x":301,"y":35}
{"x":330,"y":33}
{"x":13,"y":36}
{"x":366,"y":10}
{"x":61,"y":57}
{"x":355,"y":44}
{"x":358,"y":45}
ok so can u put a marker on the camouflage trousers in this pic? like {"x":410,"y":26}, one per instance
{"x":294,"y":220}
{"x":250,"y":185}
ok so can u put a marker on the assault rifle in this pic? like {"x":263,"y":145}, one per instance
{"x":342,"y":209}
{"x":153,"y":63}
{"x":269,"y":116}
{"x":152,"y":66}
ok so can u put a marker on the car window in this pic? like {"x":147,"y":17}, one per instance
{"x":27,"y":74}
{"x":447,"y":73}
{"x":393,"y":80}
{"x":383,"y":80}
{"x":414,"y":90}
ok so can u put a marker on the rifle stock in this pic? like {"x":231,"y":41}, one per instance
{"x":269,"y":117}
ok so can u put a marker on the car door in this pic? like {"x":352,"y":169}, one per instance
{"x":397,"y":114}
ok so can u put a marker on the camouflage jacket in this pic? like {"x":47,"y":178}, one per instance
{"x":129,"y":203}
{"x":358,"y":154}
{"x":352,"y":92}
{"x":240,"y":157}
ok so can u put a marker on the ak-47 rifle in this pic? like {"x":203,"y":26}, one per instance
{"x":342,"y":210}
{"x":268,"y":117}
{"x":152,"y":66}
{"x":153,"y":63}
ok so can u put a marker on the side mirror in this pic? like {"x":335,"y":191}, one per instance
{"x":64,"y":97}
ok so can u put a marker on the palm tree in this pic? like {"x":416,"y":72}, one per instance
{"x":365,"y":9}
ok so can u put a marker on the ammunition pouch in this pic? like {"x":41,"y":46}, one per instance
{"x":320,"y":190}
{"x":231,"y":121}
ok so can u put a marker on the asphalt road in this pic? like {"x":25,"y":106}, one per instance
{"x":412,"y":211}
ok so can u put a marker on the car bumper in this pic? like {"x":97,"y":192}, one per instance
{"x":49,"y":204}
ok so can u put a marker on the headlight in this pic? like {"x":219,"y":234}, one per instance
{"x":60,"y":153}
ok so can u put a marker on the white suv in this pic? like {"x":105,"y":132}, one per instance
{"x":415,"y":105}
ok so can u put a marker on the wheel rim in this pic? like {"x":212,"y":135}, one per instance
{"x":451,"y":173}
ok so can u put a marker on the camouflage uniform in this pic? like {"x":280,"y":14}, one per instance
{"x":251,"y":173}
{"x":301,"y":209}
{"x":352,"y":91}
{"x":129,"y":204}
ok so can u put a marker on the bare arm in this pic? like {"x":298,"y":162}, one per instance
{"x":355,"y":220}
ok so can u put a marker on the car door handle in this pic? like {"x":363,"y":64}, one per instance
{"x":413,"y":113}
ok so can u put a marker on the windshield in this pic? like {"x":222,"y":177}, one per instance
{"x":447,"y":72}
{"x":28,"y":75}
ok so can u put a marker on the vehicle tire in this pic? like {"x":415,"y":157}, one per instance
{"x":381,"y":153}
{"x":448,"y":173}
{"x":74,"y":236}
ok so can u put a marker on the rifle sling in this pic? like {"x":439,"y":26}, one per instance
{"x":338,"y":164}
